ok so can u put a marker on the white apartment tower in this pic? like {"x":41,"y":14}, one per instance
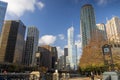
{"x":71,"y":48}
{"x":113,"y":31}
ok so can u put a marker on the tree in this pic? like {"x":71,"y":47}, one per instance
{"x":92,"y":58}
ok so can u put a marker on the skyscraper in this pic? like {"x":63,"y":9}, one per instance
{"x":113,"y":31}
{"x":65,"y":57}
{"x":12,"y":42}
{"x":88,"y":24}
{"x":31,"y":46}
{"x":71,"y":48}
{"x":48,"y":56}
{"x":3,"y":7}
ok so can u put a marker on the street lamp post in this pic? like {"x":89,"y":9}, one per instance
{"x":107,"y":52}
{"x":38,"y":59}
{"x":37,"y":54}
{"x":56,"y":65}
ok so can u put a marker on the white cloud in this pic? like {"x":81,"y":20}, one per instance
{"x":40,"y":5}
{"x":47,"y":39}
{"x":60,"y":51}
{"x":101,"y":2}
{"x":16,"y":8}
{"x":78,"y":43}
{"x":104,"y":2}
{"x":78,"y":36}
{"x":61,"y":36}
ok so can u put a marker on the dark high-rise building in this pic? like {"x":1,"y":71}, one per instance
{"x":88,"y":24}
{"x":65,"y":57}
{"x":48,"y":56}
{"x":54,"y":57}
{"x":31,"y":46}
{"x":12,"y":42}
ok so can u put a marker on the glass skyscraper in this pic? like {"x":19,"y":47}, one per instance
{"x":88,"y":24}
{"x":12,"y":41}
{"x":31,"y":46}
{"x":3,"y":7}
{"x":71,"y":48}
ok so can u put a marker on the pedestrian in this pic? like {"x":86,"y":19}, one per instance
{"x":92,"y":76}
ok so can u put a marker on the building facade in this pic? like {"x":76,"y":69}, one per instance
{"x":48,"y":56}
{"x":71,"y":48}
{"x":12,"y":42}
{"x":31,"y":46}
{"x":87,"y":24}
{"x":101,"y":32}
{"x":3,"y":7}
{"x":65,"y":58}
{"x":54,"y":57}
{"x":113,"y":31}
{"x":61,"y":63}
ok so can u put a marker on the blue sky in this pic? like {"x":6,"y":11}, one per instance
{"x":54,"y":17}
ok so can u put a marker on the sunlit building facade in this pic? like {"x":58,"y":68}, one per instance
{"x":113,"y":31}
{"x":3,"y":7}
{"x":12,"y":42}
{"x":101,"y":32}
{"x":71,"y":48}
{"x":87,"y":24}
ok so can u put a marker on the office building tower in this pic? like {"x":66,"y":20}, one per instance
{"x":31,"y":46}
{"x":113,"y":31}
{"x":65,"y":57}
{"x":101,"y":32}
{"x":87,"y":24}
{"x":12,"y":42}
{"x":48,"y":56}
{"x":75,"y":57}
{"x":71,"y":47}
{"x":3,"y":7}
{"x":54,"y":57}
{"x":61,"y":63}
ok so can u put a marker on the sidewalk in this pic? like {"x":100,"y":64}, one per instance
{"x":82,"y":78}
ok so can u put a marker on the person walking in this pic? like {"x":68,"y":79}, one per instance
{"x":92,"y":76}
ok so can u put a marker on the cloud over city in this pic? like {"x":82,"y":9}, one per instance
{"x":40,"y":5}
{"x":61,"y":36}
{"x":16,"y":8}
{"x":60,"y":51}
{"x":104,"y":2}
{"x":47,"y":40}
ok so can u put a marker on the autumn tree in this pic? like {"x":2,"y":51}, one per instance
{"x":92,"y":53}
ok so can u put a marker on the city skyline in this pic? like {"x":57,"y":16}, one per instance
{"x":62,"y":14}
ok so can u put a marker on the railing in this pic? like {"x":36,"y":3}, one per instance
{"x":18,"y":76}
{"x":28,"y":76}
